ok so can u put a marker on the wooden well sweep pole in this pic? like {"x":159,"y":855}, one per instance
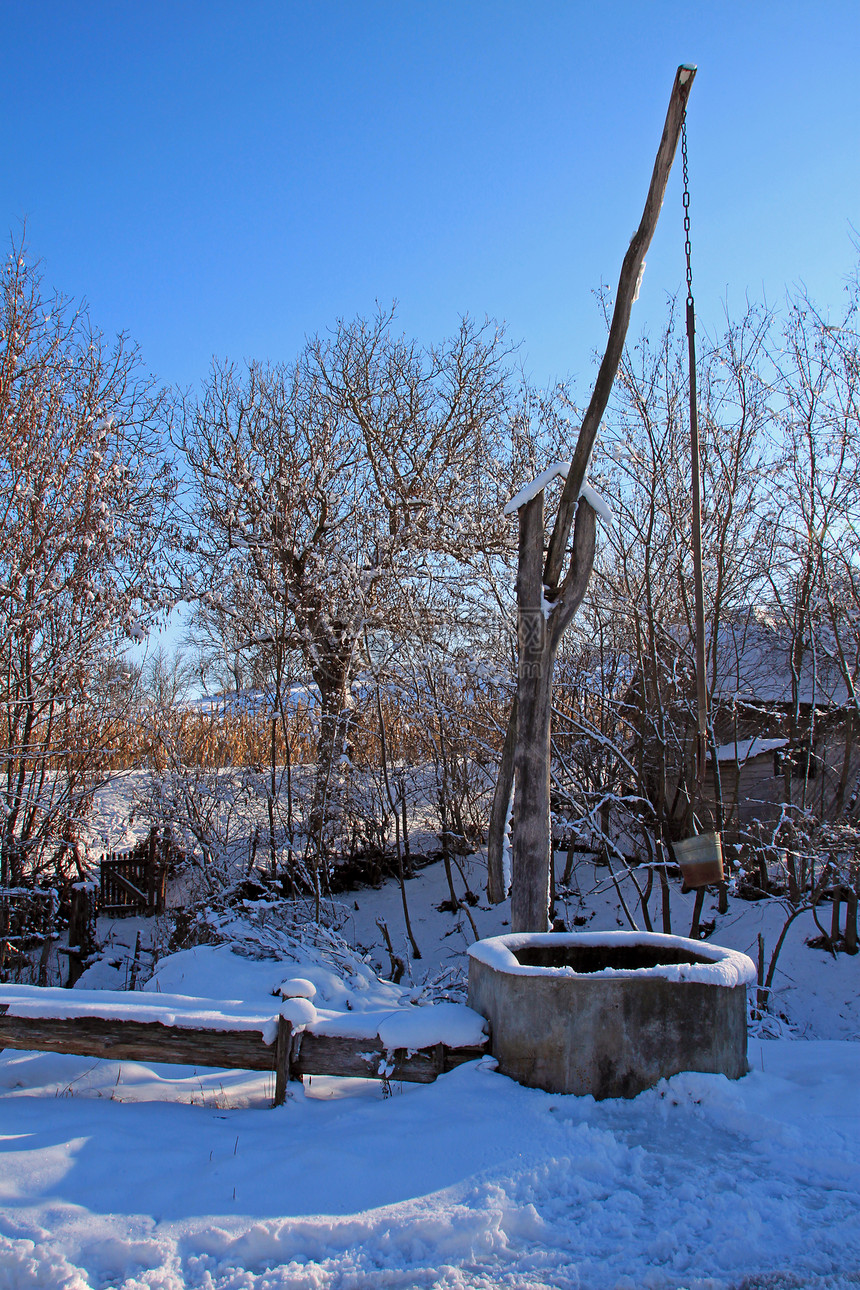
{"x":547,"y":599}
{"x":628,"y":286}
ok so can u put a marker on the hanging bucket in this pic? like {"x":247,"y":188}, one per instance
{"x":701,"y":860}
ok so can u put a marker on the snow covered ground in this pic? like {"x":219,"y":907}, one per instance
{"x":470,"y":1182}
{"x":133,"y":1176}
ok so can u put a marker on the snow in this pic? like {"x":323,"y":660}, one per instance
{"x":507,"y":850}
{"x":294,"y":698}
{"x":597,"y":504}
{"x":726,"y":968}
{"x":467,"y":1184}
{"x":742,"y":749}
{"x":147,"y":1177}
{"x":559,"y":470}
{"x":640,"y":275}
{"x":121,"y":1005}
{"x":297,"y":987}
{"x":363,"y":1007}
{"x":409,"y":1027}
{"x":300,"y":1013}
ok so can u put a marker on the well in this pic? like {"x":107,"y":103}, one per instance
{"x":610,"y":1013}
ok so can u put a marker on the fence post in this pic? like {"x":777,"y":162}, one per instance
{"x":761,"y":997}
{"x":834,"y":916}
{"x":83,"y":929}
{"x":850,"y":920}
{"x":151,"y":862}
{"x":282,"y":1061}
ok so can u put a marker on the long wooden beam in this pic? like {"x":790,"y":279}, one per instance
{"x":628,"y":286}
{"x":138,"y":1041}
{"x":290,"y":1057}
{"x":369,"y":1059}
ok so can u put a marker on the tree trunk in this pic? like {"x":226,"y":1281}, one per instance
{"x":530,"y":877}
{"x":531,"y":848}
{"x":540,"y":627}
{"x":332,"y":682}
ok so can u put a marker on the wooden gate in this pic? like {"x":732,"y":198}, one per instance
{"x":135,"y":881}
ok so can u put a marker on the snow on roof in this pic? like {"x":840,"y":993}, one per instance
{"x":743,"y":749}
{"x":254,"y":701}
{"x":754,"y":662}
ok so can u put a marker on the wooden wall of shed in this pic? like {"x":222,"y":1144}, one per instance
{"x":754,"y":791}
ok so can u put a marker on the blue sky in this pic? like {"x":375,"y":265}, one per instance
{"x":226,"y":178}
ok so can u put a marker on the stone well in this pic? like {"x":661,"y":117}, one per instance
{"x":610,"y":1013}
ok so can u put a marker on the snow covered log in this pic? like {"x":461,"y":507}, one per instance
{"x":191,"y":1035}
{"x":369,"y":1059}
{"x":138,"y":1041}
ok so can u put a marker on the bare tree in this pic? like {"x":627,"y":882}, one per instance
{"x":323,"y":488}
{"x":85,"y":491}
{"x":778,"y":406}
{"x":814,"y":578}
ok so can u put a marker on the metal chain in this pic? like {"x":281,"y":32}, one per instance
{"x":695,"y":462}
{"x":687,"y":246}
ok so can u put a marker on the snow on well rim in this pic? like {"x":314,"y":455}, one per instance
{"x":726,"y":967}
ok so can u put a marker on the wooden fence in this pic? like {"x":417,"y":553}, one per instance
{"x":135,"y":881}
{"x":130,"y":882}
{"x":27,"y":915}
{"x":290,"y":1057}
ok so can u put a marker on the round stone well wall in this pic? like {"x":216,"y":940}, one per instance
{"x":610,"y":1013}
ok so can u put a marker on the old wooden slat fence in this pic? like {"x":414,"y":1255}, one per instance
{"x":130,"y":882}
{"x":27,"y":914}
{"x":289,"y":1056}
{"x":135,"y":881}
{"x":27,"y":918}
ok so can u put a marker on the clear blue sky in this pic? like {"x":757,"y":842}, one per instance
{"x":225,"y":178}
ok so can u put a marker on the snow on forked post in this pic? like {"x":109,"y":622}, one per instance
{"x":549,"y":592}
{"x":560,"y":470}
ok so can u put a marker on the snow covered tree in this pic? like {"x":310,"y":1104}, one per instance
{"x":84,"y":493}
{"x":326,"y":488}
